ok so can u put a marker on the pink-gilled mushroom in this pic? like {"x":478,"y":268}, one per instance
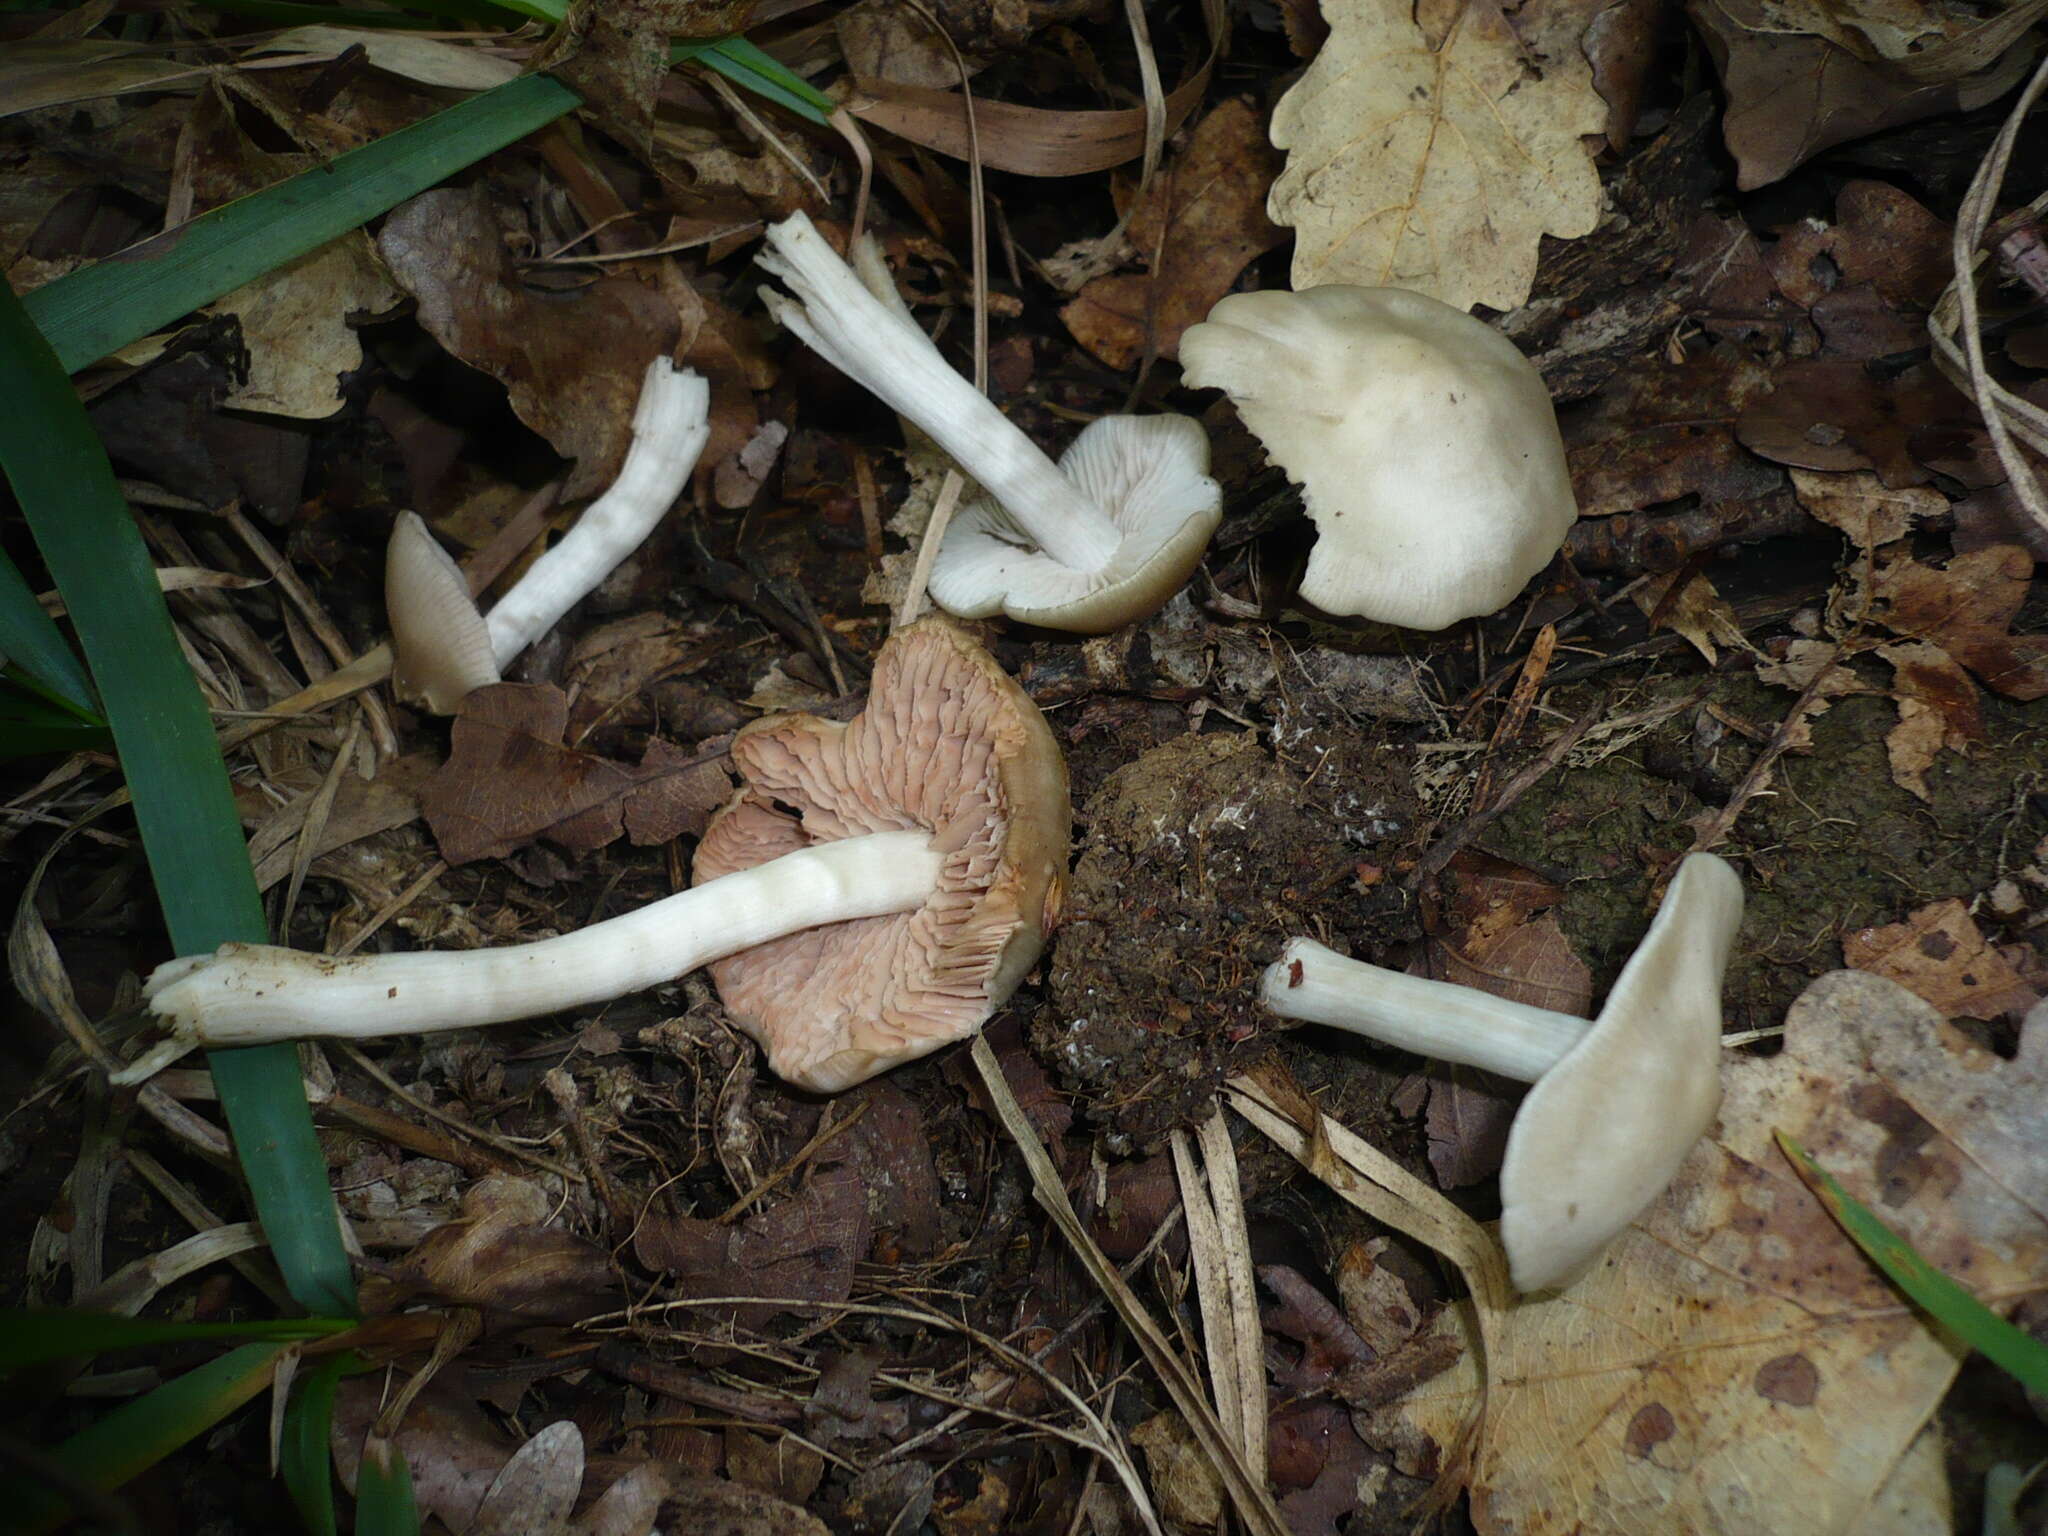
{"x":1618,"y":1101}
{"x":894,"y":876}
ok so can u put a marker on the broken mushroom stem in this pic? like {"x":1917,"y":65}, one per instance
{"x":251,"y":994}
{"x":879,"y":347}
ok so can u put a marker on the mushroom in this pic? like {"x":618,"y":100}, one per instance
{"x":896,"y":875}
{"x":1424,"y":443}
{"x":1100,"y":539}
{"x":1618,"y":1102}
{"x":443,"y":649}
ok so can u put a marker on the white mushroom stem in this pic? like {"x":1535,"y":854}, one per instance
{"x":880,"y":348}
{"x":670,"y":428}
{"x":248,"y":994}
{"x":1431,"y":1018}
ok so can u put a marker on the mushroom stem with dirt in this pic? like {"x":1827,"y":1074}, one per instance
{"x":909,"y":860}
{"x":443,"y":649}
{"x":1618,"y":1101}
{"x":1099,"y":539}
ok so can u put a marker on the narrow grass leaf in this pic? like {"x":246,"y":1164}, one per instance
{"x":31,"y":640}
{"x":2010,"y":1349}
{"x":137,"y":1435}
{"x":303,"y":1456}
{"x":384,"y":1501}
{"x":32,"y":726}
{"x":99,"y":308}
{"x":747,"y":67}
{"x":30,"y":1338}
{"x":183,"y":807}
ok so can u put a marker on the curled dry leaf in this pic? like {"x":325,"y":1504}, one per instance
{"x":1938,"y":707}
{"x":1202,"y":220}
{"x":1967,"y":608}
{"x":1435,"y":160}
{"x":1939,"y":954}
{"x":1734,"y":1363}
{"x":571,"y":365}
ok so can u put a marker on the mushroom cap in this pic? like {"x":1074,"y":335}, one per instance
{"x":947,"y":743}
{"x":1604,"y":1130}
{"x":1425,"y":444}
{"x":440,"y":644}
{"x":1150,"y":474}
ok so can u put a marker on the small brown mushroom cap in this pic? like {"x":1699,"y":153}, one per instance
{"x":947,"y":743}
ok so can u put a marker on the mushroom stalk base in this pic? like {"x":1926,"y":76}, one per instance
{"x":1430,"y":1018}
{"x":246,"y":994}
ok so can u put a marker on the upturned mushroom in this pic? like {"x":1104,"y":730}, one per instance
{"x":1618,"y":1102}
{"x":1100,"y":539}
{"x":443,"y":649}
{"x":875,"y":891}
{"x":1424,"y":443}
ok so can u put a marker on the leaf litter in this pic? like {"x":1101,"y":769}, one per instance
{"x":1824,"y":667}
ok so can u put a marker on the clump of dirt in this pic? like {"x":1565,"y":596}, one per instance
{"x":1202,"y":857}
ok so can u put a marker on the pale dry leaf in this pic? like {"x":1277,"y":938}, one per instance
{"x":1697,"y":612}
{"x":1864,"y":507}
{"x":1434,"y":168}
{"x":296,"y":323}
{"x":1734,"y":1364}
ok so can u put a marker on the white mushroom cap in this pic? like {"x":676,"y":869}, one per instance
{"x":440,"y":645}
{"x":1425,"y":444}
{"x":1604,"y":1130}
{"x":1618,"y":1102}
{"x":1150,"y":475}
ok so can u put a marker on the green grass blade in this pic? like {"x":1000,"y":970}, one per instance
{"x":33,"y":726}
{"x":31,"y":640}
{"x":190,"y":829}
{"x":384,"y":1501}
{"x":137,"y":1435}
{"x":302,"y":1455}
{"x":2010,"y":1349}
{"x":30,"y":1338}
{"x":747,"y":67}
{"x":99,"y":308}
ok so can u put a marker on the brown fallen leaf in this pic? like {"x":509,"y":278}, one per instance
{"x":572,"y":365}
{"x":1827,"y":413}
{"x":1686,"y":603}
{"x":1199,"y":224}
{"x":1938,"y":708}
{"x":1734,"y":1363}
{"x":509,"y":780}
{"x":1967,"y":608}
{"x":801,"y":1247}
{"x":1792,"y":95}
{"x":1939,"y":954}
{"x":1436,"y":159}
{"x":615,"y":53}
{"x":1664,"y":430}
{"x":501,"y":1254}
{"x":1864,"y":507}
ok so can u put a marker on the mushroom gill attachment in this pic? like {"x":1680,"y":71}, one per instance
{"x":1424,"y":442}
{"x":440,"y":644}
{"x":948,"y":745}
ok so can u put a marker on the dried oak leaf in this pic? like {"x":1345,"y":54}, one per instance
{"x":1864,"y":507}
{"x":1734,"y":1363}
{"x":1938,"y":707}
{"x":509,"y":780}
{"x":615,"y":53}
{"x":1790,"y":96}
{"x":571,"y":364}
{"x":1830,"y":413}
{"x":1665,"y":430}
{"x":1967,"y":608}
{"x":1202,"y":220}
{"x":500,"y":1254}
{"x":1938,"y":953}
{"x":1435,"y":160}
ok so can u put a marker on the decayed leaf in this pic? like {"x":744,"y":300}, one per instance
{"x":1434,"y":165}
{"x":1967,"y":608}
{"x":1864,"y":507}
{"x":500,"y":1254}
{"x":614,"y":52}
{"x":1938,"y":708}
{"x":1939,"y":954}
{"x":1687,"y":604}
{"x":1735,"y":1364}
{"x":296,"y":325}
{"x":572,"y":366}
{"x":509,"y":780}
{"x":1200,"y":222}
